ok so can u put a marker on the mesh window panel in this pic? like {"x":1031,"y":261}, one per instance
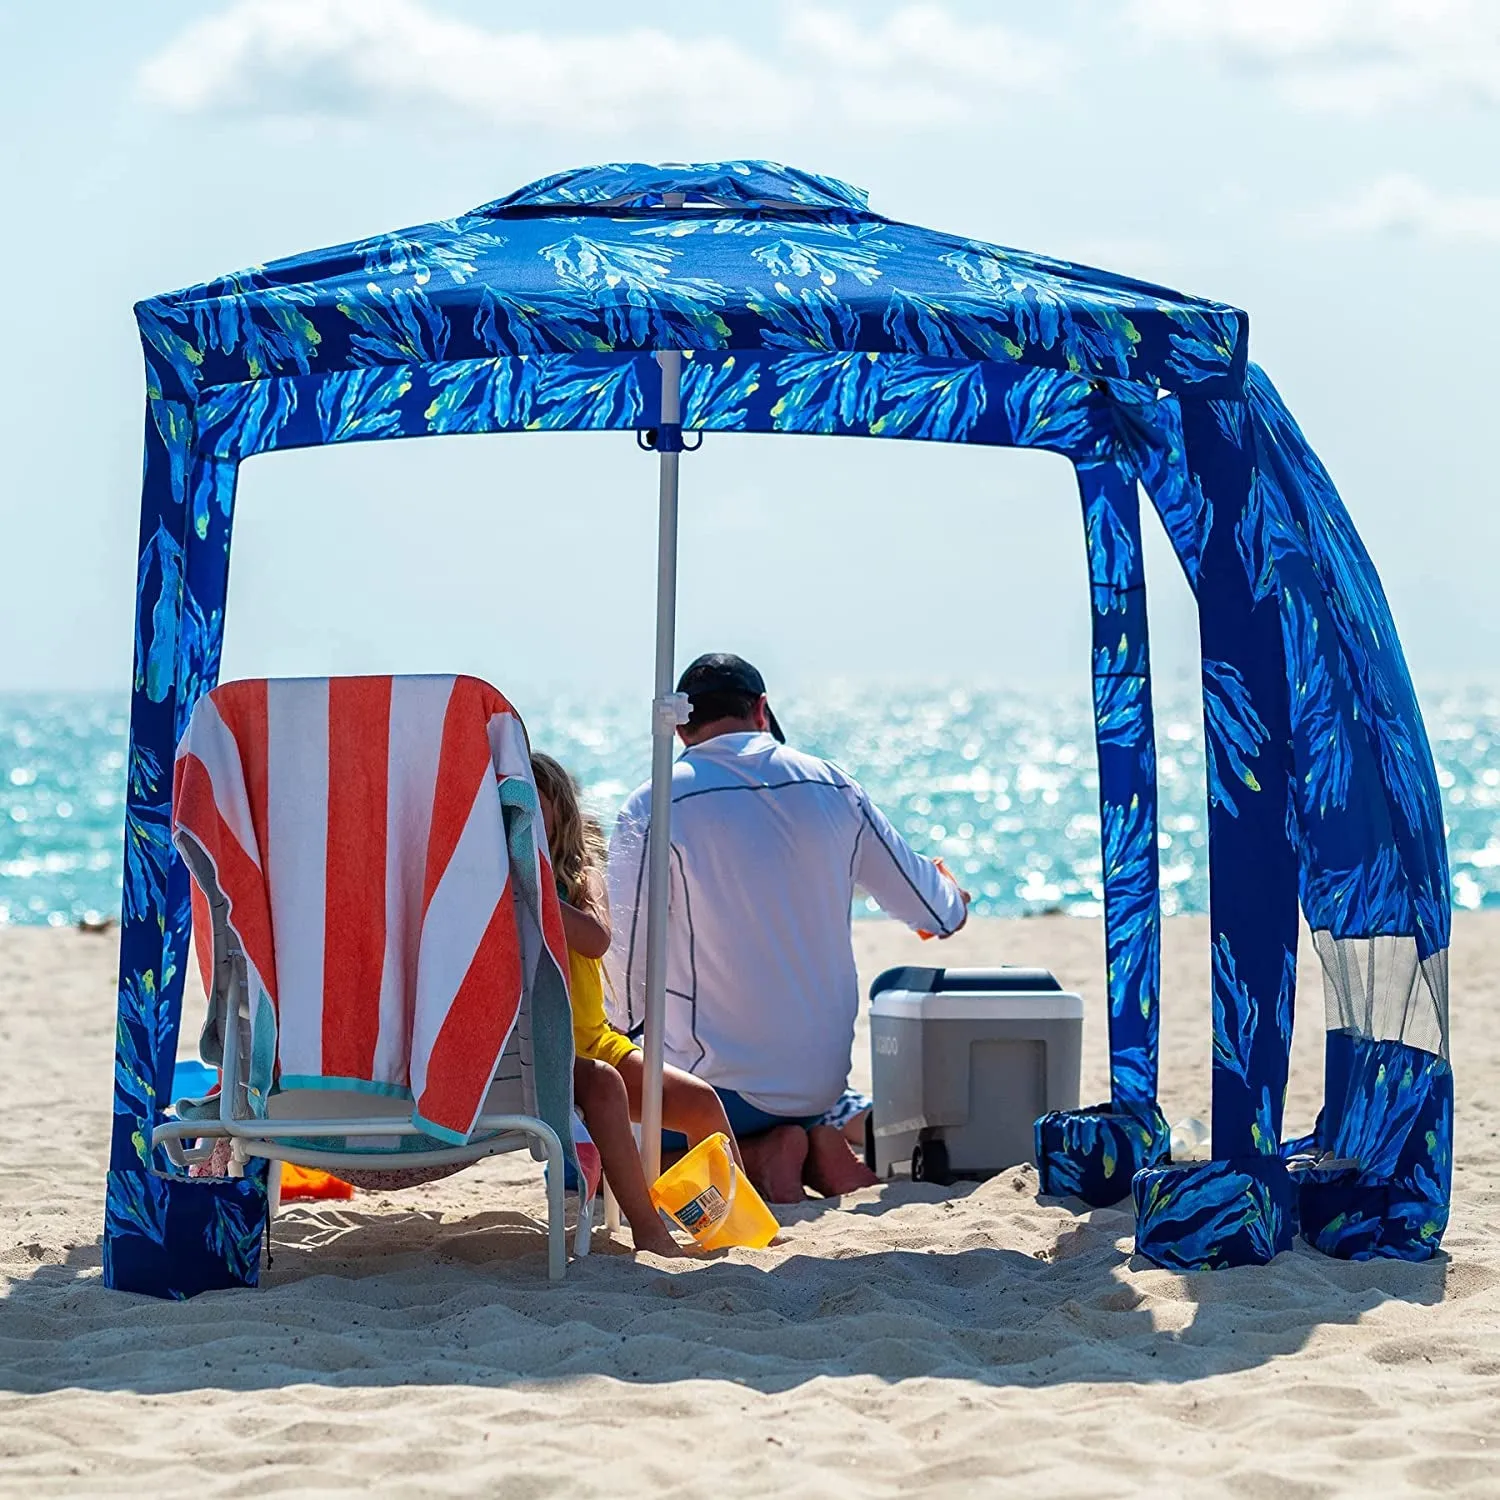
{"x":1376,"y":987}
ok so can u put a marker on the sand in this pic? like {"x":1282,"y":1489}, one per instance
{"x":907,"y":1340}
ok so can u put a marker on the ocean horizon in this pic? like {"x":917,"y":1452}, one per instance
{"x":1002,"y":783}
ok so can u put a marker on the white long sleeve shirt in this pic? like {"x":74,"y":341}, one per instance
{"x":768,"y":848}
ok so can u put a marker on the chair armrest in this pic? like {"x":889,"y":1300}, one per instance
{"x":173,"y":1136}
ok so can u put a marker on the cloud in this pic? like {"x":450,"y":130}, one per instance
{"x":353,"y":60}
{"x":1343,"y":56}
{"x":1403,"y":205}
{"x":921,"y":65}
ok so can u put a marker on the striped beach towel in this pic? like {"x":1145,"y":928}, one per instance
{"x":379,"y":847}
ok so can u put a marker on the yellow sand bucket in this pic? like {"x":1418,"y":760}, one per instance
{"x":708,"y":1195}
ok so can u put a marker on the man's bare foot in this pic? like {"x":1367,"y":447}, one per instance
{"x":774,"y":1163}
{"x":832,"y":1167}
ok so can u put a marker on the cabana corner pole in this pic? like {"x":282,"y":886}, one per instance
{"x":666,"y":716}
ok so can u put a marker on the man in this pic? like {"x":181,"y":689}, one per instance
{"x":768,"y":847}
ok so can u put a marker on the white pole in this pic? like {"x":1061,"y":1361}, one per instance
{"x":665,"y":718}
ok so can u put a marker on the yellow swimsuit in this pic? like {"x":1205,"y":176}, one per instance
{"x":593,"y":1036}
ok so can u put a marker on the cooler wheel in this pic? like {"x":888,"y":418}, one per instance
{"x":929,"y":1163}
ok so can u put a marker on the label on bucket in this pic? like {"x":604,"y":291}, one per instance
{"x":700,"y":1214}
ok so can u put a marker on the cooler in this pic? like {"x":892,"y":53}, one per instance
{"x":964,"y":1062}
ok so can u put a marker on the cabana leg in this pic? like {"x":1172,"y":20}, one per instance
{"x":168,"y":1236}
{"x":1094,"y":1153}
{"x":1239,"y":1208}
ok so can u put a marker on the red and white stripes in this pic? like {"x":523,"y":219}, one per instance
{"x":355,"y":828}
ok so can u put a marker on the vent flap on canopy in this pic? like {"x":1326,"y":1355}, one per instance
{"x":629,"y":187}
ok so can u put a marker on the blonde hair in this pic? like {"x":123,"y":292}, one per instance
{"x":578,"y":847}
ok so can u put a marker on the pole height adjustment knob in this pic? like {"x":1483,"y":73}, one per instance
{"x":670,"y":710}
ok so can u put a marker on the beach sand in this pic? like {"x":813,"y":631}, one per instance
{"x":906,"y":1340}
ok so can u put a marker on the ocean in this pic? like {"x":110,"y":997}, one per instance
{"x":1002,"y":784}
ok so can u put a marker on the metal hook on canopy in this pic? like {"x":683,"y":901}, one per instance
{"x":666,"y":439}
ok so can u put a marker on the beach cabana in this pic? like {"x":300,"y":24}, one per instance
{"x":749,"y":297}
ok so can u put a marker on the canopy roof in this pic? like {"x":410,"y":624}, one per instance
{"x":597,"y":260}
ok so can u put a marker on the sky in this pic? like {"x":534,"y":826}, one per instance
{"x":1329,"y":165}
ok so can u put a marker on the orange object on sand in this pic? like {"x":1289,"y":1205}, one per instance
{"x":309,"y":1182}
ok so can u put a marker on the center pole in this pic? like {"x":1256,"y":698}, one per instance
{"x":667,"y":714}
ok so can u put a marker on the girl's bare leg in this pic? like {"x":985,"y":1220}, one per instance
{"x":602,"y":1100}
{"x":688,"y":1104}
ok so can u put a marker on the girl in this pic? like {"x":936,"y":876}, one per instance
{"x":609,"y":1072}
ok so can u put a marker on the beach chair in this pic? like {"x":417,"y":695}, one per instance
{"x":289,"y":1091}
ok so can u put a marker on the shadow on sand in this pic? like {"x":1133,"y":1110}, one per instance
{"x":393,"y":1298}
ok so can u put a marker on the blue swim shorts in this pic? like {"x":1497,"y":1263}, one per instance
{"x":747,"y":1119}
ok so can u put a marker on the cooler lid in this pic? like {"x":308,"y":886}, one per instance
{"x":973,"y":995}
{"x":1003,"y":980}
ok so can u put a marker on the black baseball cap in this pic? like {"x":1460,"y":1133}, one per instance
{"x":724,"y":672}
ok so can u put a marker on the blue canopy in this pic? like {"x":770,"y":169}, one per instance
{"x":755,"y":258}
{"x":799,"y":310}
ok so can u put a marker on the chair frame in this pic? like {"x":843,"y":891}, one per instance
{"x":256,"y":1137}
